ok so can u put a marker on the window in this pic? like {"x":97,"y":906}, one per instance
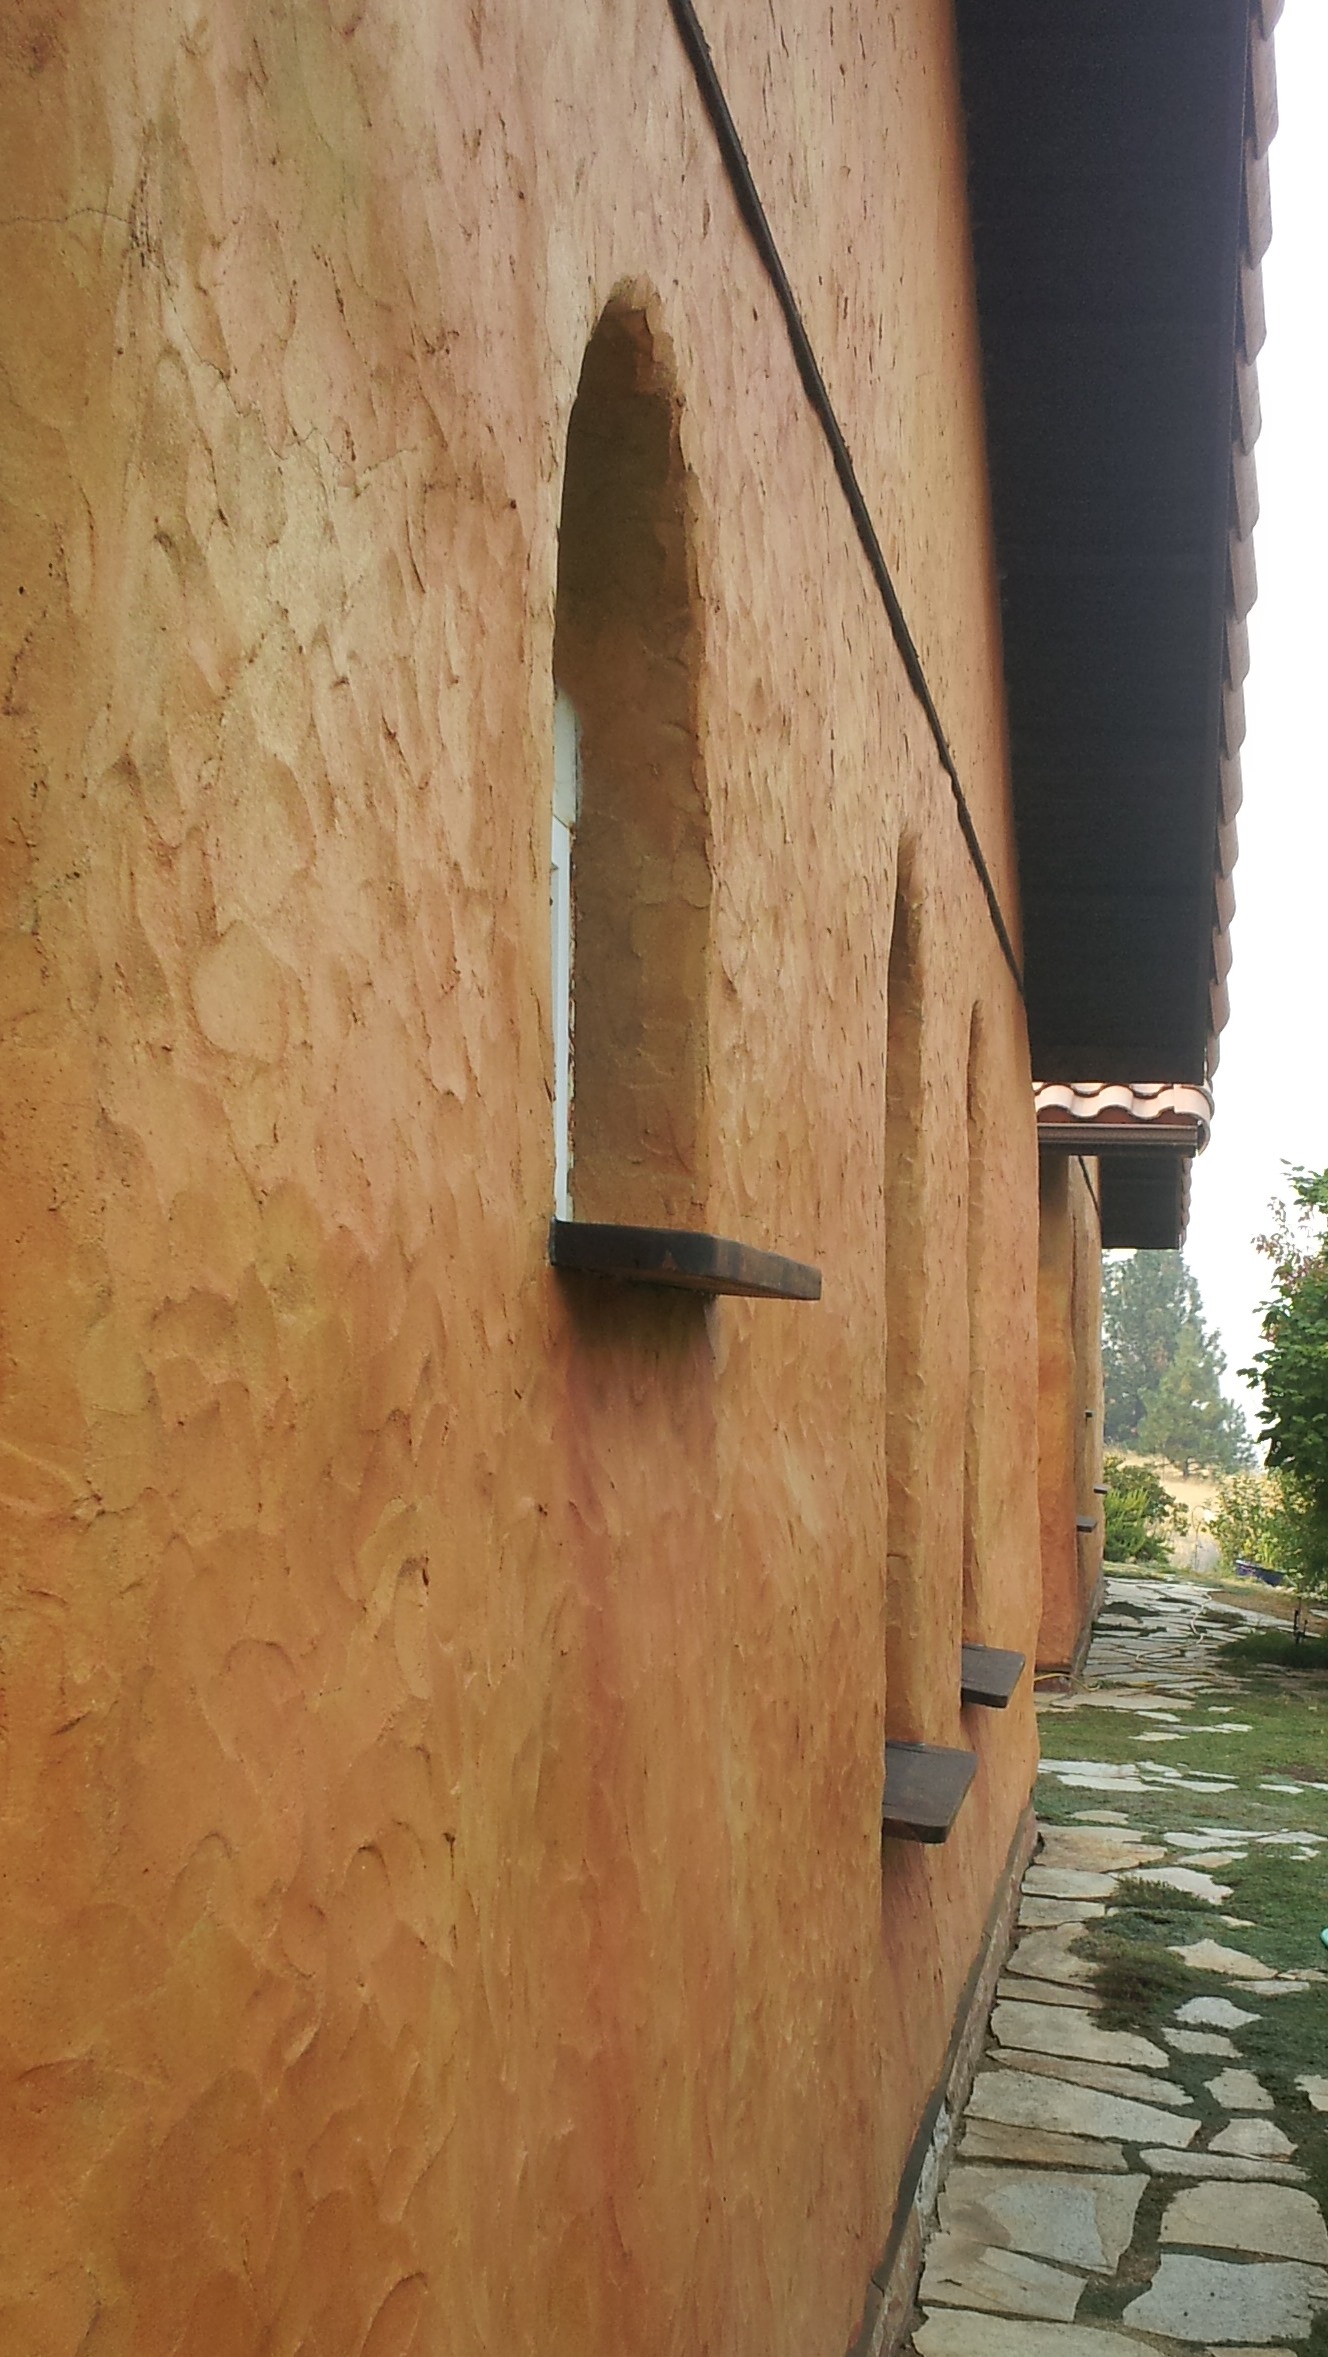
{"x":908,"y":1608}
{"x":631,"y":852}
{"x":630,"y":885}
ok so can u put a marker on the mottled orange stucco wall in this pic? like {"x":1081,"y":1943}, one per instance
{"x":1070,"y":1405}
{"x":443,"y":1708}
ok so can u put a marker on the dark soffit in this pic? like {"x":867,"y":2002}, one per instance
{"x":1119,"y":203}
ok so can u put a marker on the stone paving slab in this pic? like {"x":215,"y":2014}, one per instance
{"x":956,"y":2332}
{"x":1144,"y":2086}
{"x":1043,"y":2148}
{"x":1161,"y":2162}
{"x":1089,"y":1849}
{"x":1082,"y":2220}
{"x":1049,"y":1956}
{"x":1214,"y":2012}
{"x":1217,"y":2300}
{"x":1271,"y":2220}
{"x":1022,"y":2100}
{"x":1038,"y":1914}
{"x":1211,"y":1956}
{"x":1240,"y":2091}
{"x":1254,"y":2139}
{"x":1210,"y":2042}
{"x":1189,"y":1880}
{"x":962,"y":2273}
{"x":1045,"y":2029}
{"x":1035,"y":1992}
{"x":1068,"y":1882}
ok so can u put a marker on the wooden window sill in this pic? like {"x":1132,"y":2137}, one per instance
{"x":924,"y":1786}
{"x":988,"y":1675}
{"x":681,"y":1258}
{"x":1085,"y":1523}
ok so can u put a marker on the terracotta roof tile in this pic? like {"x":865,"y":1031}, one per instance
{"x":1091,"y":1117}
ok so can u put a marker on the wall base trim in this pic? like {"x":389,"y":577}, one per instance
{"x":888,"y":2310}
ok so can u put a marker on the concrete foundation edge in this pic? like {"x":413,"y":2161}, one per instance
{"x":888,"y":2310}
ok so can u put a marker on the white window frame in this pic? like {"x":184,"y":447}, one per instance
{"x":566,"y":810}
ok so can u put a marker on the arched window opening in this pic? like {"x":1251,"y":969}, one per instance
{"x":975,"y":1410}
{"x":631,"y":879}
{"x":906,"y":1603}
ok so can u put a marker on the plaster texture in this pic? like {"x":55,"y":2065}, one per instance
{"x":444,"y":1703}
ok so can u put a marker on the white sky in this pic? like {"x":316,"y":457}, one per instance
{"x":1271,"y":1085}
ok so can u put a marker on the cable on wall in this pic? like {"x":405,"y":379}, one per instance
{"x":814,"y":384}
{"x":1092,"y":1190}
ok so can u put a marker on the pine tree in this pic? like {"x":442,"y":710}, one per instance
{"x":1147,"y":1302}
{"x":1163,"y":1369}
{"x":1187,"y":1421}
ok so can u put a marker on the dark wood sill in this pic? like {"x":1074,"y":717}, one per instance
{"x":924,"y":1786}
{"x":679,"y":1257}
{"x":988,"y":1675}
{"x":1085,"y":1523}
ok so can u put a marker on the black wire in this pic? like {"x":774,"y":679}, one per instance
{"x":1092,"y":1190}
{"x":753,"y":213}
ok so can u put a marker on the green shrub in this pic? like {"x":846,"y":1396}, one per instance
{"x":1141,"y":1514}
{"x":1259,"y":1518}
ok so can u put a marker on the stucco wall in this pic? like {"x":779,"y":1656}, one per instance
{"x":1069,"y":1405}
{"x":444,"y":1705}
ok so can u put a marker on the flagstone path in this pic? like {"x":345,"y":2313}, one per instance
{"x":1112,"y":2192}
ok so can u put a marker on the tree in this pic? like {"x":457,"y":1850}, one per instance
{"x":1187,"y":1421}
{"x":1147,"y":1301}
{"x":1163,"y":1369}
{"x":1292,"y":1367}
